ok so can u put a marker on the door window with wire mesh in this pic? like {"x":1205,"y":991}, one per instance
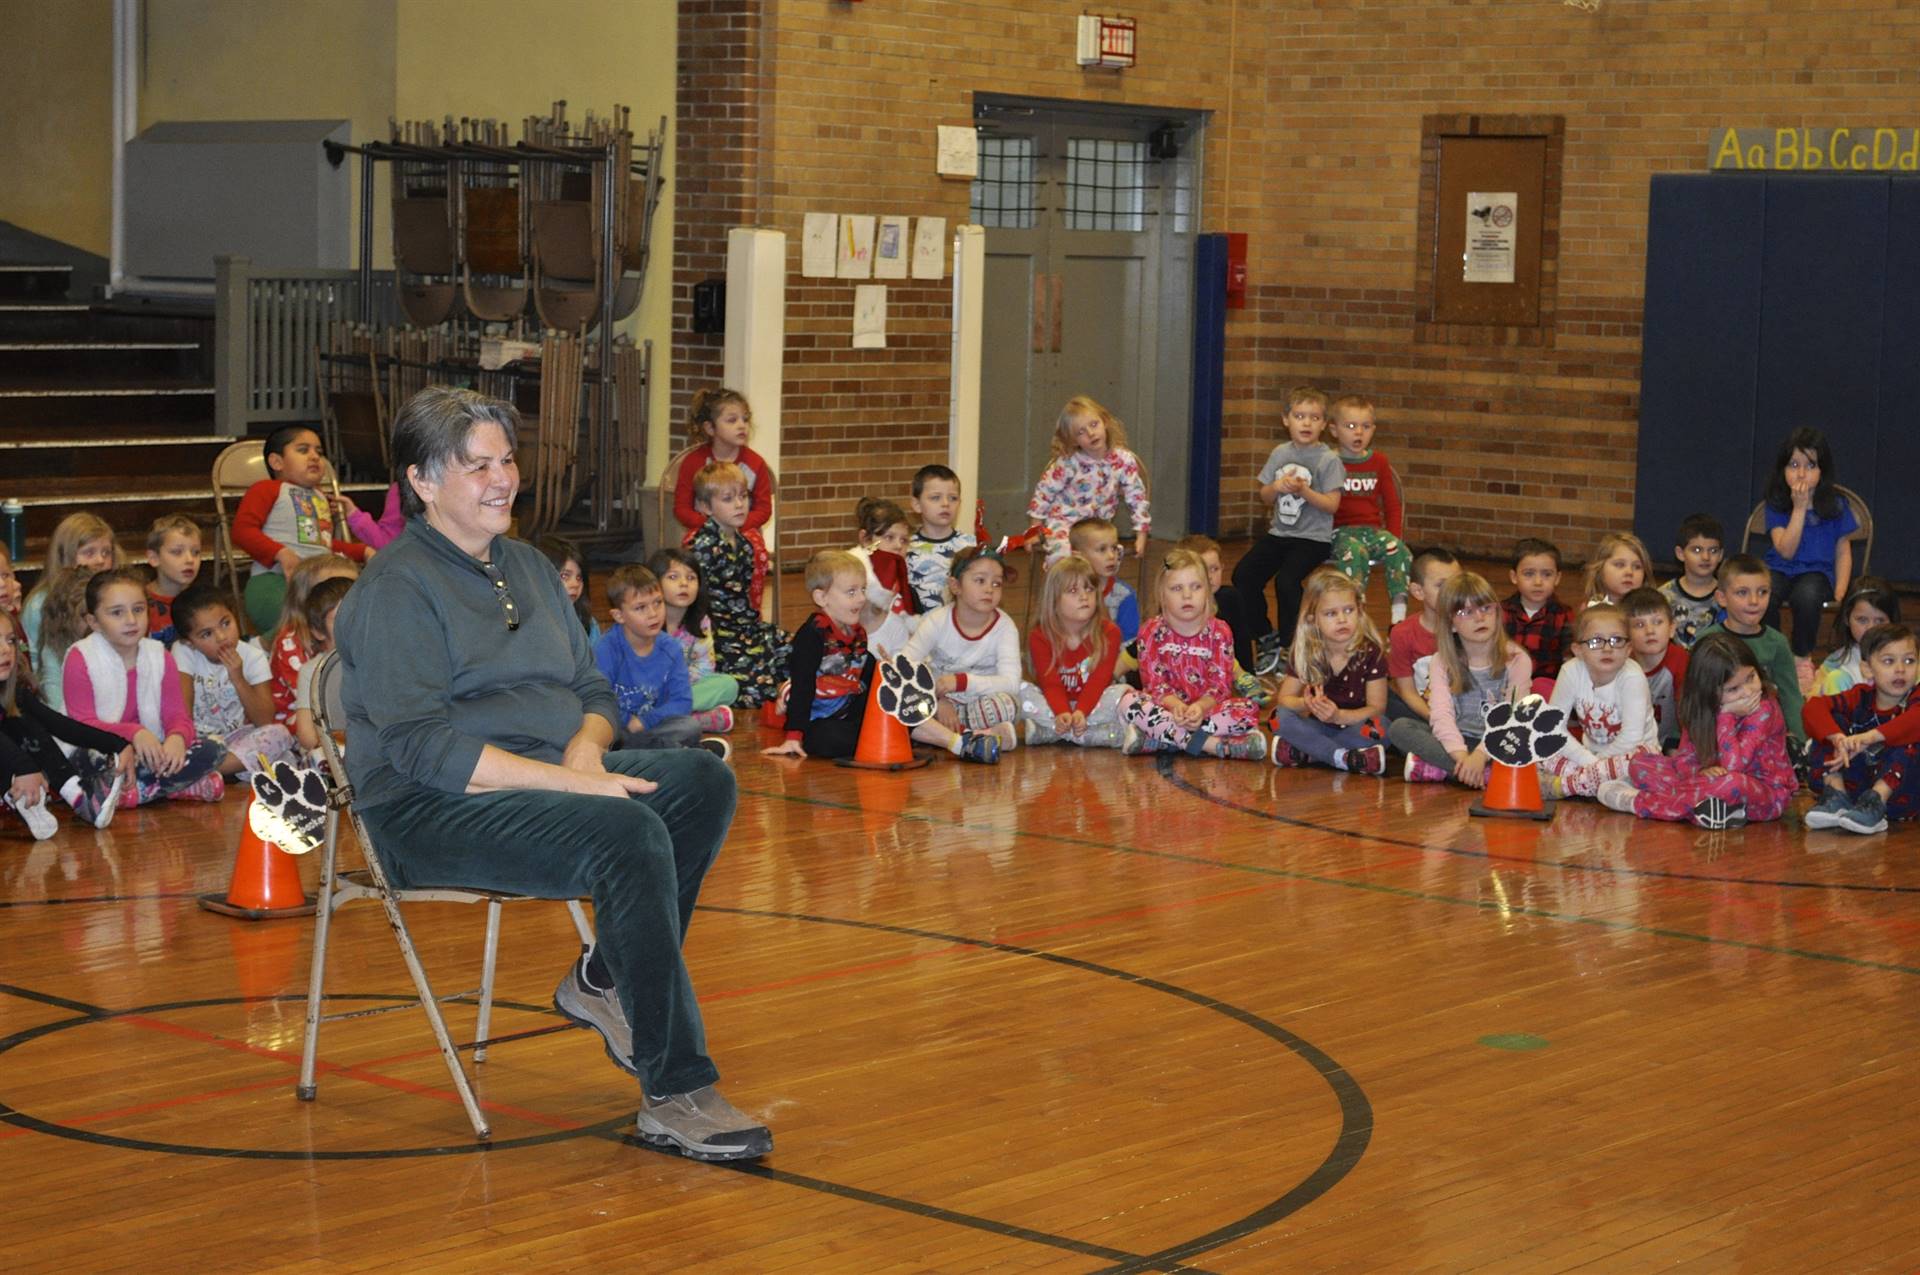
{"x":1005,"y":187}
{"x":1106,"y":184}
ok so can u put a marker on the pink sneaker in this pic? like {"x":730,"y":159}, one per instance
{"x":211,"y":786}
{"x":1424,"y":772}
{"x":715,"y":721}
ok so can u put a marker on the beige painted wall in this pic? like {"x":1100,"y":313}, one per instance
{"x":506,"y":59}
{"x":362,"y":60}
{"x":242,"y":59}
{"x":56,"y":120}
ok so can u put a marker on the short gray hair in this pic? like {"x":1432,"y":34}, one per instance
{"x":433,"y":429}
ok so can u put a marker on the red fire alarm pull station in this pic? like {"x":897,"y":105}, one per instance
{"x":1236,"y":272}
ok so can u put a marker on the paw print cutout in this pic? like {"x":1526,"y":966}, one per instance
{"x":289,"y":807}
{"x":906,"y":691}
{"x":1524,"y":733}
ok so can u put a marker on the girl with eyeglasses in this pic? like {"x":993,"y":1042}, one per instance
{"x":1608,"y":704}
{"x":1476,"y":666}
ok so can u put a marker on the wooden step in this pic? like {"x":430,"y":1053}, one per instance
{"x":30,"y":281}
{"x":37,"y":361}
{"x":104,"y":401}
{"x":91,"y":453}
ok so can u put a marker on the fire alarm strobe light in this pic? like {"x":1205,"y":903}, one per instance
{"x":1106,"y":41}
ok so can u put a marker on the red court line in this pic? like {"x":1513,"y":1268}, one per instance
{"x":357,"y":1072}
{"x":158,"y":1104}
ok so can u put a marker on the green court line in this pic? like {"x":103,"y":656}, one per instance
{"x":1347,"y":883}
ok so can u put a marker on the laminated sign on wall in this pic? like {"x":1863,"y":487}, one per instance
{"x":1490,"y":237}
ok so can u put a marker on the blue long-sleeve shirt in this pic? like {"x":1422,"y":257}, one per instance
{"x":652,"y":688}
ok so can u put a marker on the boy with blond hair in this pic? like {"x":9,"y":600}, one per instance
{"x":173,"y":551}
{"x":1366,"y":526}
{"x":832,"y":672}
{"x":745,"y":645}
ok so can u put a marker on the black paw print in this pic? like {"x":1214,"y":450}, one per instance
{"x":906,"y":691}
{"x":289,"y":808}
{"x":1523,"y":733}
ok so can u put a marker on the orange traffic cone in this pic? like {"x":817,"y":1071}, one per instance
{"x":265,"y":884}
{"x":883,"y":744}
{"x":1513,"y":792}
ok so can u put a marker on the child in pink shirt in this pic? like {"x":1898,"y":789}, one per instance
{"x":1186,"y":668}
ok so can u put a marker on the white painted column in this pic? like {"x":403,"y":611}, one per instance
{"x":963,"y":388}
{"x":754,"y":357}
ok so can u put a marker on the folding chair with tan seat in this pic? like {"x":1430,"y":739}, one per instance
{"x":239,"y":466}
{"x":338,"y":888}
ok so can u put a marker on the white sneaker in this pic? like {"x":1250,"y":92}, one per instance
{"x":1617,"y":794}
{"x":40,"y":820}
{"x":1007,"y":733}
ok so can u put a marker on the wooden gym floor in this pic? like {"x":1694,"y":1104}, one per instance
{"x":1077,"y":1013}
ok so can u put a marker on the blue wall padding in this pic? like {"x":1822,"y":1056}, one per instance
{"x":1896,"y":466}
{"x":1774,"y":302}
{"x":1821,"y":317}
{"x":1700,"y":354}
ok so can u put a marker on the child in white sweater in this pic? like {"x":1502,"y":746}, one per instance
{"x":973,"y":648}
{"x":1608,"y":704}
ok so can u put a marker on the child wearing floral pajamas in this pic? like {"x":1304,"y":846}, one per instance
{"x":1186,"y":672}
{"x":1091,"y":474}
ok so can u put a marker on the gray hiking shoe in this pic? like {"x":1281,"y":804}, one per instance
{"x":599,"y":1010}
{"x":703,"y":1125}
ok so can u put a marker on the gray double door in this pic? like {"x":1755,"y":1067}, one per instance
{"x":1089,"y":242}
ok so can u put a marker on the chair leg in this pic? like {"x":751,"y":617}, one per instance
{"x":448,"y":1054}
{"x":580,"y":924}
{"x":487,"y":962}
{"x":317,"y":977}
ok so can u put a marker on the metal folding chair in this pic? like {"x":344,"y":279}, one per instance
{"x":239,"y":466}
{"x":338,"y":888}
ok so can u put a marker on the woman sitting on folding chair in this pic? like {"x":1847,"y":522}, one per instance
{"x":477,"y":735}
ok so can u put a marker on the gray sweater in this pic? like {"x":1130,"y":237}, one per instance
{"x":431,"y":674}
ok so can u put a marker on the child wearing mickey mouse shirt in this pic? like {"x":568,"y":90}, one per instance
{"x":1302,"y":479}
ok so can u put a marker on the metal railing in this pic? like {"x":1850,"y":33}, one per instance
{"x":267,"y":325}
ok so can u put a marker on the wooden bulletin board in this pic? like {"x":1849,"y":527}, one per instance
{"x":1482,"y":237}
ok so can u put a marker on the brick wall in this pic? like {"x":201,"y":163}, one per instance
{"x":718,"y":103}
{"x":1314,"y":150}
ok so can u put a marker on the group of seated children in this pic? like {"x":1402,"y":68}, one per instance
{"x":143,"y":674}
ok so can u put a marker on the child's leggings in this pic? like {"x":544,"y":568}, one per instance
{"x":714,"y":691}
{"x":266,"y":590}
{"x":1356,"y":549}
{"x":1899,"y":768}
{"x":32,"y":738}
{"x":1670,"y":789}
{"x":1583,"y":779}
{"x":250,"y":743}
{"x":1321,"y":740}
{"x":1234,"y":718}
{"x":1104,"y":727}
{"x":1287,"y":561}
{"x":203,"y":758}
{"x":984,"y":712}
{"x":1411,"y":735}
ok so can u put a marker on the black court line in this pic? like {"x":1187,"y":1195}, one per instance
{"x":1355,"y":1111}
{"x":99,"y":898}
{"x":1348,"y":883}
{"x":1164,"y":764}
{"x":58,"y":1002}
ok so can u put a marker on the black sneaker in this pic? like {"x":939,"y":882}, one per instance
{"x":703,"y":1125}
{"x":718,"y":747}
{"x":1715,"y":813}
{"x":1269,"y":656}
{"x":599,"y":1010}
